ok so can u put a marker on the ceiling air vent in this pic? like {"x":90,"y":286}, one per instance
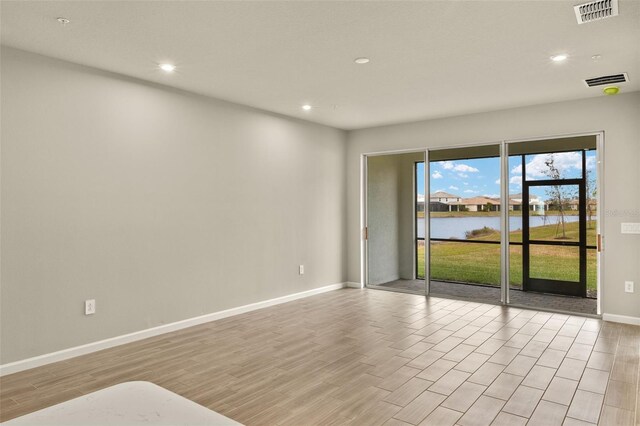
{"x":607,"y":79}
{"x":596,"y":10}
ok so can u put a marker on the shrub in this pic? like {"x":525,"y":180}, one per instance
{"x":475,"y":233}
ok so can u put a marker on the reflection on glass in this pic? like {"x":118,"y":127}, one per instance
{"x":554,"y":262}
{"x":591,"y":195}
{"x":420,"y":259}
{"x":420,"y":200}
{"x":592,"y":274}
{"x":515,"y":266}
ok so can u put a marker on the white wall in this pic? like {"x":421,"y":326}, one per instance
{"x":618,"y":116}
{"x":159,"y":204}
{"x":383,"y":219}
{"x":163,"y":205}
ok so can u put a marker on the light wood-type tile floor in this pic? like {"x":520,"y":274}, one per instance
{"x":367,"y":357}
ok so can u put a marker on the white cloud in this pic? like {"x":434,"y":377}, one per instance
{"x":447,"y":165}
{"x":516,"y":180}
{"x":497,"y":181}
{"x":491,"y":195}
{"x":568,"y":164}
{"x":465,"y":168}
{"x":470,"y":191}
{"x":436,"y":175}
{"x":463,"y":175}
{"x":465,"y":183}
{"x":455,"y":188}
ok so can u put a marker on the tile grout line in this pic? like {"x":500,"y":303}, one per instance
{"x":383,"y":325}
{"x":613,"y":364}
{"x":580,"y":379}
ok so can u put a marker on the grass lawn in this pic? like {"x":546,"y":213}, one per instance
{"x":480,"y":263}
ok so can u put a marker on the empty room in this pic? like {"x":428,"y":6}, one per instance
{"x":320,"y":213}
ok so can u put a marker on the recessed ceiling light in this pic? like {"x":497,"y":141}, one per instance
{"x":306,"y":107}
{"x":596,"y":57}
{"x":63,"y":21}
{"x":559,"y":58}
{"x":167,"y":67}
{"x":362,"y":60}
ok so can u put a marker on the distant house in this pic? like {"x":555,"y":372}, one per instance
{"x":436,"y":206}
{"x":592,"y":203}
{"x":535,"y":203}
{"x":444,"y":197}
{"x":441,"y":201}
{"x":477,"y":204}
{"x":420,"y":203}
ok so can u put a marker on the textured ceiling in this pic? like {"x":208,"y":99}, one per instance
{"x":428,"y":59}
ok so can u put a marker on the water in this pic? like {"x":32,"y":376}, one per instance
{"x":455,"y":227}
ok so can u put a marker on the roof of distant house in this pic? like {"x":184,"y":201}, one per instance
{"x":442,"y":194}
{"x":477,"y":200}
{"x":519,"y":197}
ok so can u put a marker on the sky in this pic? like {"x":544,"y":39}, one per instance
{"x":481,"y":177}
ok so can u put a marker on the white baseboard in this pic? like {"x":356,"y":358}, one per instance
{"x":621,"y":318}
{"x":351,"y":284}
{"x":37,"y":361}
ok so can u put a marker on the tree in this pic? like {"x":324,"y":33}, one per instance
{"x":556,"y":192}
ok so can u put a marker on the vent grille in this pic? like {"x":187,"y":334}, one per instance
{"x":606,"y":79}
{"x":596,"y":10}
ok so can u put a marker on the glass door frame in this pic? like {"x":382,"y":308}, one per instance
{"x":599,"y":216}
{"x":364,"y":228}
{"x":547,"y":285}
{"x":504,"y":210}
{"x":472,"y":155}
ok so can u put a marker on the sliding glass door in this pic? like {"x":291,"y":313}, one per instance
{"x":553,"y":212}
{"x":393,"y":219}
{"x":567,"y":241}
{"x":514,"y":223}
{"x":464,"y":218}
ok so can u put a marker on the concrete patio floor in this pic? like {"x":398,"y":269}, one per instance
{"x":490,"y":294}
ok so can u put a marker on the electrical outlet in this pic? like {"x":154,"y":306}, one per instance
{"x":630,"y":228}
{"x":301,"y":269}
{"x":90,"y":307}
{"x":628,"y":286}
